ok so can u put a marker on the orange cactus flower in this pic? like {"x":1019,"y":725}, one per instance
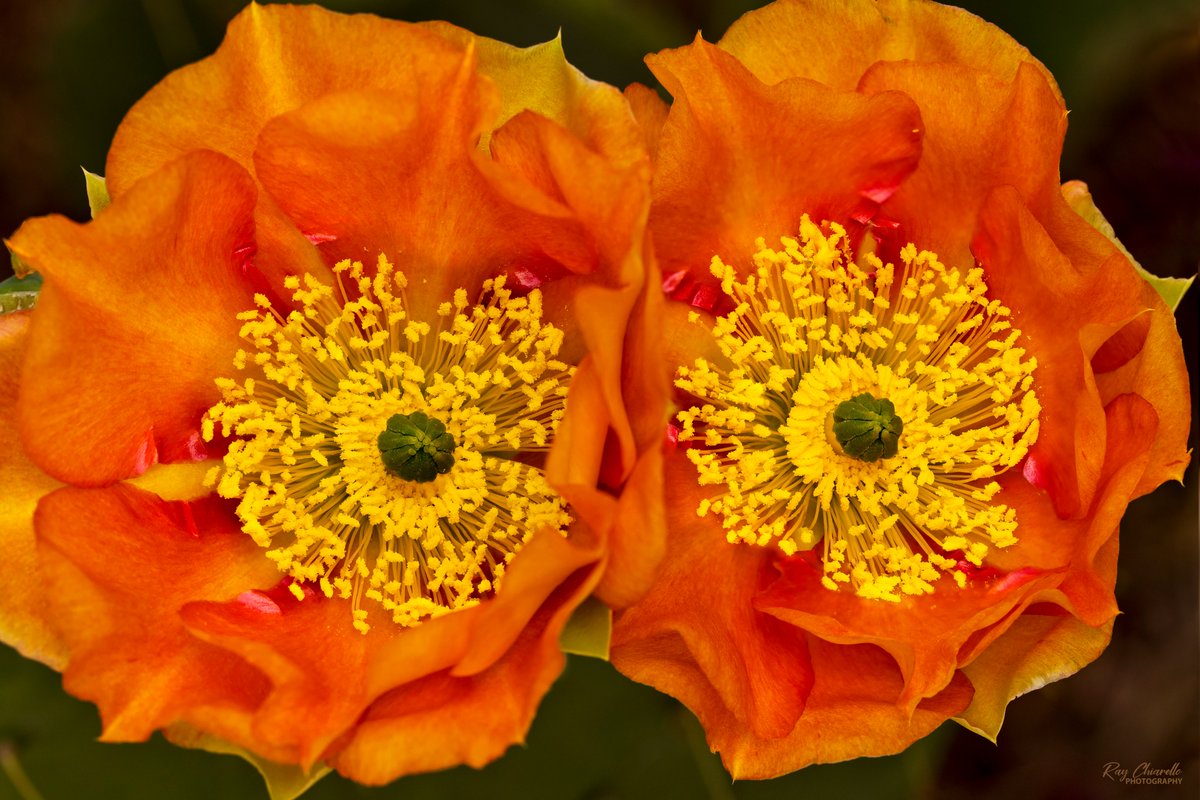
{"x":316,"y":412}
{"x":916,"y":387}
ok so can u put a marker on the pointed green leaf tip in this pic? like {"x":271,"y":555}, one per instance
{"x":867,"y":428}
{"x":588,"y":631}
{"x":416,"y":447}
{"x":97,"y":192}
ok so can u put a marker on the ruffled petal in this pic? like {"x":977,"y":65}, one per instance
{"x":923,"y":634}
{"x":1039,"y":648}
{"x":447,"y":718}
{"x":273,"y":60}
{"x":394,"y":173}
{"x":137,"y":316}
{"x":980,"y":132}
{"x":314,"y":661}
{"x":22,"y":603}
{"x":699,"y":620}
{"x":1068,"y":308}
{"x":129,"y":651}
{"x":835,"y":41}
{"x":1054,"y":639}
{"x":322,"y":670}
{"x":402,"y":173}
{"x":769,"y":153}
{"x":852,"y":711}
{"x":1145,"y":357}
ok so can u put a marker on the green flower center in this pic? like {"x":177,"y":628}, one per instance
{"x":867,"y":427}
{"x":416,"y":447}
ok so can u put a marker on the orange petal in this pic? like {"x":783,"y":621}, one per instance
{"x":323,"y":671}
{"x":445,"y":719}
{"x":638,"y":541}
{"x":651,"y":113}
{"x":621,"y":385}
{"x":23,"y":601}
{"x":980,"y":132}
{"x":769,"y":153}
{"x":398,"y":174}
{"x":836,"y":41}
{"x":696,"y":634}
{"x":923,"y":634}
{"x":547,"y":562}
{"x":273,"y":60}
{"x":119,"y":564}
{"x":314,"y":660}
{"x":123,"y":350}
{"x":473,"y":639}
{"x":1144,"y":357}
{"x":1066,"y":307}
{"x":851,"y":712}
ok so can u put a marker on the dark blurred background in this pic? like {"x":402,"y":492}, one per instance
{"x":1130,"y":72}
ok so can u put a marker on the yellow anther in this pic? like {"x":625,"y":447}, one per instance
{"x":324,"y":381}
{"x":810,"y":329}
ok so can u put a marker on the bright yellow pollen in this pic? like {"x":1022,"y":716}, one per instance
{"x":321,"y":385}
{"x":811,"y":328}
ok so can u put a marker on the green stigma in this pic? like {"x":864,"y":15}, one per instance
{"x":867,"y":428}
{"x":416,"y":447}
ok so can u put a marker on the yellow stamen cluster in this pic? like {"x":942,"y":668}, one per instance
{"x":810,"y":329}
{"x":320,"y":386}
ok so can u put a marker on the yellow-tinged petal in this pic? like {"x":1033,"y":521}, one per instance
{"x":23,"y":623}
{"x":1039,"y":648}
{"x":1171,"y":289}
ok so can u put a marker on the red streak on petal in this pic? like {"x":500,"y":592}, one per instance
{"x":195,"y":448}
{"x":672,"y":439}
{"x":281,"y":592}
{"x":705,"y":297}
{"x":526,"y":279}
{"x":1034,"y":473}
{"x":320,"y":238}
{"x":674,"y":281}
{"x":244,"y":256}
{"x":186,"y":521}
{"x":974,"y":573}
{"x":146,"y":455}
{"x":879,"y":194}
{"x":257,"y":601}
{"x":1015,"y":579}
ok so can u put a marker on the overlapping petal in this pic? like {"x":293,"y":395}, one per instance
{"x":288,"y":150}
{"x":978,"y":184}
{"x":133,"y":657}
{"x":155,"y":280}
{"x":759,"y":175}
